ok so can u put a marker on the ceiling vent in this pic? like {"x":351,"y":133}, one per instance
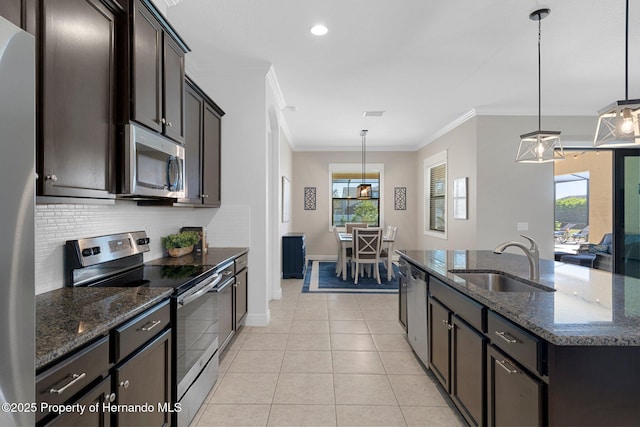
{"x":373,"y":114}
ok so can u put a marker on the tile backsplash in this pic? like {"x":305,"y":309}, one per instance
{"x":57,"y":223}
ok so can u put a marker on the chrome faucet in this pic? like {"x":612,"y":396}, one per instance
{"x":532,"y":253}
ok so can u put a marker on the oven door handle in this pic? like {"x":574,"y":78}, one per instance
{"x":225,"y":285}
{"x":197,"y":294}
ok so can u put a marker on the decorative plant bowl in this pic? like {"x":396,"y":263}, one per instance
{"x":176,"y":252}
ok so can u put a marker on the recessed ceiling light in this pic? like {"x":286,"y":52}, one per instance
{"x":319,"y":30}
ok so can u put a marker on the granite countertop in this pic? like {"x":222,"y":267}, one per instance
{"x":68,"y":318}
{"x":588,"y":308}
{"x":213,"y":257}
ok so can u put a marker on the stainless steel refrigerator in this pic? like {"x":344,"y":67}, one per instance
{"x":17,"y":178}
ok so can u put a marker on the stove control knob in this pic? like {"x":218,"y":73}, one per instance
{"x":87,"y":252}
{"x":143,"y":241}
{"x":96,"y":250}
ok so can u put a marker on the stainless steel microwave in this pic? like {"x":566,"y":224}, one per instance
{"x":153,"y":165}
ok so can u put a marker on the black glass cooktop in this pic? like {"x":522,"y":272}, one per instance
{"x":180,"y":277}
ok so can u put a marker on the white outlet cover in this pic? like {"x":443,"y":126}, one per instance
{"x":522,"y":226}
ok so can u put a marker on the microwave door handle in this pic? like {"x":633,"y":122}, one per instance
{"x":172,"y":173}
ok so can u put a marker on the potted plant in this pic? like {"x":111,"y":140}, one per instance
{"x":181,"y":243}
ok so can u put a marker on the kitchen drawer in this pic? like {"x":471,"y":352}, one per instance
{"x":516,"y":342}
{"x":241,"y":262}
{"x":471,"y":311}
{"x":131,"y":335}
{"x":64,"y":380}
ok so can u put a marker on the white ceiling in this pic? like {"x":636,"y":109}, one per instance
{"x":425,"y":63}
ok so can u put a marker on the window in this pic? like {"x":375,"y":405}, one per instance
{"x":435,"y":195}
{"x":345,"y":207}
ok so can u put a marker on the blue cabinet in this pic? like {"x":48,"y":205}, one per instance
{"x":293,"y":256}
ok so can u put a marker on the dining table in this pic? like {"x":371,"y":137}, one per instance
{"x":346,"y":242}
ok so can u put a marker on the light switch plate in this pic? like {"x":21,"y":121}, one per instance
{"x":522,"y":226}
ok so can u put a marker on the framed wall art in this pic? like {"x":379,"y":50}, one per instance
{"x":460,"y":198}
{"x":400,"y":198}
{"x":309,"y":198}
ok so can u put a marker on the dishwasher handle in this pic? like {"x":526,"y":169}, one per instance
{"x":418,"y":275}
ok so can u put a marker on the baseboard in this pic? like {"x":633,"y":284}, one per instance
{"x":276,"y":293}
{"x":257,"y":319}
{"x":322,"y":258}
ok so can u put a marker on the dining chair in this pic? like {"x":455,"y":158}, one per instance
{"x":366,"y":250}
{"x":349,"y":226}
{"x":348,"y":252}
{"x":386,"y":253}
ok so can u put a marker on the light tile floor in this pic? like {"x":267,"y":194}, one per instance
{"x":325,"y":360}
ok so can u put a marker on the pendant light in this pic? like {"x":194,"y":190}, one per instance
{"x":618,"y":122}
{"x":364,"y":190}
{"x":540,"y":146}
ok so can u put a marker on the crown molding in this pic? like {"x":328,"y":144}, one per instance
{"x":272,"y":81}
{"x":454,"y":124}
{"x":171,"y":3}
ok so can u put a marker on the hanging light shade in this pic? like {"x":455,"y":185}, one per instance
{"x":540,"y":146}
{"x":364,"y":189}
{"x":618,"y":122}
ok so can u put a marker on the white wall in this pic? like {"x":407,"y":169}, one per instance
{"x":518,"y":192}
{"x":245,"y":186}
{"x":502,"y":193}
{"x":460,"y":144}
{"x":55,"y":224}
{"x":311,"y":169}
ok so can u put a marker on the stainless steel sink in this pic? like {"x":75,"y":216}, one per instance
{"x":497,"y":282}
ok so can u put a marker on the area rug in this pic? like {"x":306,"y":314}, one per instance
{"x":321,"y":277}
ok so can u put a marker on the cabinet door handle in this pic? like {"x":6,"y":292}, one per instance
{"x":169,"y":124}
{"x":111,"y":397}
{"x":51,"y":178}
{"x":163,"y":121}
{"x":204,"y":196}
{"x":125,"y":384}
{"x":505,"y":336}
{"x":74,"y":379}
{"x":153,"y":324}
{"x":449,"y":326}
{"x":507,"y":366}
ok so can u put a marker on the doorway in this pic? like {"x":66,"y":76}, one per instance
{"x":627,"y":212}
{"x":583,"y":207}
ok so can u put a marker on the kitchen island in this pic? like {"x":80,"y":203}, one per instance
{"x":565,"y":355}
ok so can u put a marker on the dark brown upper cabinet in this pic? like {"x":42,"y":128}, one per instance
{"x":202,"y":147}
{"x":76,"y":97}
{"x":157,"y":72}
{"x":11,"y":10}
{"x":21,"y":13}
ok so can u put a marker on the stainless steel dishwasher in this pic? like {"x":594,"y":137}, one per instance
{"x":417,"y":312}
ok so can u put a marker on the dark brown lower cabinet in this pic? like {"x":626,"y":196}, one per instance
{"x":145,"y":379}
{"x":403,"y":282}
{"x":97,"y":396}
{"x":457,"y":358}
{"x":225,"y":312}
{"x":439,"y":342}
{"x":240,"y":298}
{"x":514,"y":397}
{"x":468,"y":354}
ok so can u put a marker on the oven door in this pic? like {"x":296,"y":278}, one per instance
{"x":153,"y":165}
{"x":196,"y":332}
